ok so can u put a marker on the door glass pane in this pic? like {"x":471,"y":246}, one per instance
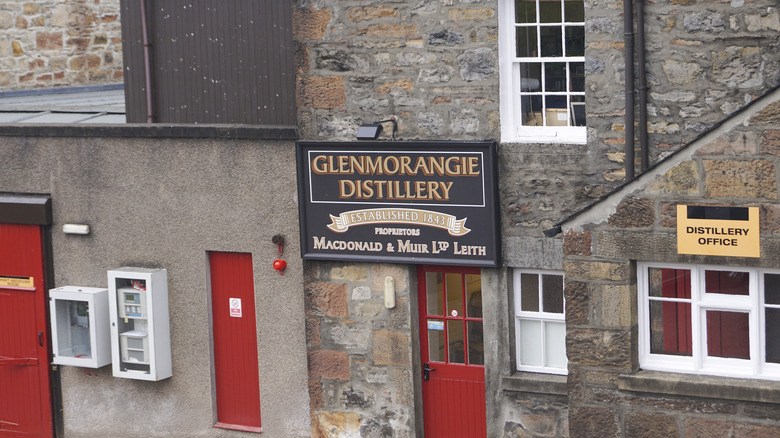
{"x":454,"y":284}
{"x":669,"y":283}
{"x":455,"y":339}
{"x":526,"y":42}
{"x":552,"y":293}
{"x":525,"y":11}
{"x":772,"y":288}
{"x":474,"y":296}
{"x":436,"y":340}
{"x":529,"y":292}
{"x":530,"y":343}
{"x":550,"y":12}
{"x":555,"y":344}
{"x":476,"y":348}
{"x":772,"y":335}
{"x":433,"y":291}
{"x":670,"y":328}
{"x":727,"y":334}
{"x":726,"y":282}
{"x":551,"y":37}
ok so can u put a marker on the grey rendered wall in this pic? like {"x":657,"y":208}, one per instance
{"x":165,"y":203}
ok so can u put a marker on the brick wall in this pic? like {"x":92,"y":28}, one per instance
{"x":50,"y":43}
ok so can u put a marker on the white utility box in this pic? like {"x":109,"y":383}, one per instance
{"x":79,"y":326}
{"x":140,"y":331}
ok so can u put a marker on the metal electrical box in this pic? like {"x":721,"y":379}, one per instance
{"x":140,"y":332}
{"x":80,"y":326}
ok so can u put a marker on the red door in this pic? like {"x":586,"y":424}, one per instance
{"x":235,"y":341}
{"x":452,"y":352}
{"x":25,"y":385}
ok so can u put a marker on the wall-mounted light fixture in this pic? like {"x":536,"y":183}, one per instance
{"x":371,"y":131}
{"x":75,"y":229}
{"x":389,"y":292}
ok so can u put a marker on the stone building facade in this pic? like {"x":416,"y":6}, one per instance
{"x":59,"y":43}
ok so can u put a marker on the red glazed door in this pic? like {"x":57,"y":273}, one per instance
{"x":452,"y":352}
{"x":25,"y":385}
{"x":235,"y":341}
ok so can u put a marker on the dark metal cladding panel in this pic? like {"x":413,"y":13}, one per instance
{"x":133,"y":58}
{"x":214,"y":64}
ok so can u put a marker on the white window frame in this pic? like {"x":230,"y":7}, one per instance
{"x":512,"y":129}
{"x":543,"y":317}
{"x":701,"y":302}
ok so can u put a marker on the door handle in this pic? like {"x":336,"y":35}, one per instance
{"x":40,"y":339}
{"x":427,"y":372}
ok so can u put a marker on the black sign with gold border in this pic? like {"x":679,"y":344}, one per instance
{"x":431,"y":202}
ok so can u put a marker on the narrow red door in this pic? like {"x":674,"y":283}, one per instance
{"x":235,"y":341}
{"x":452,"y":352}
{"x":25,"y":385}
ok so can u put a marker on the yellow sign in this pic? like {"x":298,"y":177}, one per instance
{"x":17,"y":282}
{"x":719,"y":231}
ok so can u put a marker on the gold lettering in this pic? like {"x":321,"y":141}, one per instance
{"x":343,"y":185}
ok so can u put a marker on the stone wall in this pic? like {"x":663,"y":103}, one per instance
{"x":360,"y":353}
{"x":47,"y":43}
{"x":736,"y":166}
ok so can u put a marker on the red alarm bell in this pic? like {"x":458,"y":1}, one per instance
{"x":280,"y":265}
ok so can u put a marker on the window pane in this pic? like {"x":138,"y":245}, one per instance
{"x":670,"y":328}
{"x":726,"y":282}
{"x":525,"y":11}
{"x":555,"y":77}
{"x":550,"y":12}
{"x":526,"y":42}
{"x":772,"y":335}
{"x":552,"y":293}
{"x":530,"y":343}
{"x":577,"y":77}
{"x":669,"y":283}
{"x":575,"y":41}
{"x":454,"y":294}
{"x":551,"y":40}
{"x":476,"y":347}
{"x":474,"y":296}
{"x":578,"y":110}
{"x":455,"y":339}
{"x":772,"y":288}
{"x":727,"y":334}
{"x":555,"y":344}
{"x":436,"y":340}
{"x":530,"y":77}
{"x":529,"y":292}
{"x":433,"y":291}
{"x":574,"y":12}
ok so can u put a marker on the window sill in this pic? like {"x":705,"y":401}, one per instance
{"x":727,"y":388}
{"x":536,"y":383}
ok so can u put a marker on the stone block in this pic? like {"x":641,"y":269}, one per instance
{"x":577,"y":244}
{"x":645,"y":425}
{"x":738,"y":67}
{"x":313,"y":332}
{"x":594,"y":422}
{"x":366,"y":13}
{"x":594,"y":270}
{"x":16,"y":46}
{"x":478,"y":14}
{"x":768,"y":115}
{"x":669,"y":215}
{"x":322,"y":92}
{"x":577,"y":303}
{"x":327,"y":299}
{"x":328,"y":364}
{"x":633,"y":213}
{"x":608,"y":349}
{"x":351,"y":273}
{"x":310,"y":23}
{"x":368,"y":310}
{"x":334,"y":424}
{"x":391,"y":348}
{"x":753,"y":179}
{"x":616,"y":306}
{"x":316,"y":399}
{"x":770,"y":142}
{"x":389,"y":31}
{"x":680,"y":73}
{"x":48,"y":40}
{"x":399,"y":273}
{"x":682,"y":178}
{"x":354,"y":339}
{"x":404,"y":393}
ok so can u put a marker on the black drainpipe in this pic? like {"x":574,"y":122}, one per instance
{"x":640,"y":49}
{"x":147,"y":64}
{"x":628,"y":32}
